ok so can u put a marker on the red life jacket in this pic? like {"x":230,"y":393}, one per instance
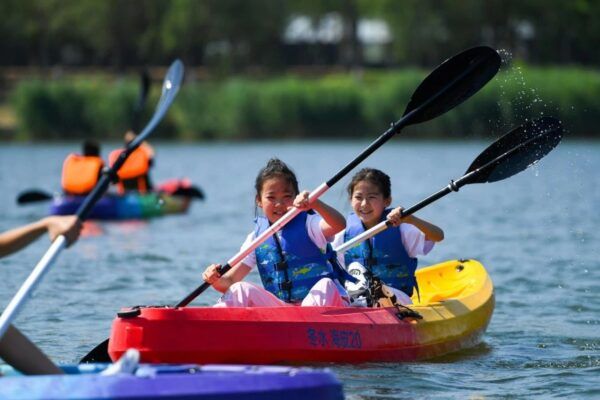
{"x":80,"y":173}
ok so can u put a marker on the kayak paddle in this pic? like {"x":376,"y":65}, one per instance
{"x":512,"y":153}
{"x":32,"y":196}
{"x":170,"y":87}
{"x":451,"y":83}
{"x":141,"y":100}
{"x":193,"y":191}
{"x":35,"y":195}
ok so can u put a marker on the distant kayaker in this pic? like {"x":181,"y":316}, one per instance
{"x":15,"y":348}
{"x":134,"y":175}
{"x":391,"y":255}
{"x":80,"y":173}
{"x":293,"y":264}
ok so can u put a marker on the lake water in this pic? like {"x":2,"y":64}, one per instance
{"x":537,"y":233}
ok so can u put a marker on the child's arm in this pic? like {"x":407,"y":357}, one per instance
{"x":17,"y":238}
{"x":432,"y":232}
{"x":25,"y":356}
{"x":222,"y":283}
{"x":332,"y":221}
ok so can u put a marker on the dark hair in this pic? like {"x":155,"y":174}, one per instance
{"x":275,"y":168}
{"x":91,"y":148}
{"x":374,"y":176}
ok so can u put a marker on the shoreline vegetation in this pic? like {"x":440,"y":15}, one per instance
{"x":331,"y":106}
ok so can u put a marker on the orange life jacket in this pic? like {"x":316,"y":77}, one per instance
{"x":80,"y":173}
{"x":135,"y":168}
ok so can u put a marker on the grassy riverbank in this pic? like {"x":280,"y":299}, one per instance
{"x":333,"y":105}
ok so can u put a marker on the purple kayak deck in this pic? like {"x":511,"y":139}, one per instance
{"x":177,"y":382}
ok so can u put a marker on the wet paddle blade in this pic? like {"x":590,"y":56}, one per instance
{"x":170,"y":87}
{"x":144,"y":89}
{"x":32,"y":196}
{"x":141,"y":100}
{"x":171,"y":84}
{"x":517,"y":150}
{"x":192,"y":191}
{"x":452,"y":82}
{"x":99,"y":354}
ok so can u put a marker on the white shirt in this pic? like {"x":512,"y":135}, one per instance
{"x":413,"y":240}
{"x":313,"y":227}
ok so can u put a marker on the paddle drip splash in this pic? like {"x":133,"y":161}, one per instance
{"x":518,"y":103}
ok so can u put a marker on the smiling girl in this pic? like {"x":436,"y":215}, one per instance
{"x":294,"y":263}
{"x":391,"y":255}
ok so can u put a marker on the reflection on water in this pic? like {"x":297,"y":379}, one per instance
{"x":91,"y":229}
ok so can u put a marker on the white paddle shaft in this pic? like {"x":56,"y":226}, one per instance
{"x":276,"y":226}
{"x":382,"y":226}
{"x":31,"y":283}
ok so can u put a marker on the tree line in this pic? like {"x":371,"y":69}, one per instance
{"x":231,"y":36}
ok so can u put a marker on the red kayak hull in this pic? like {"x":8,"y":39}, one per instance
{"x":309,"y":334}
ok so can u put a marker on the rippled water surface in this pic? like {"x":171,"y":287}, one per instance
{"x":537,"y":234}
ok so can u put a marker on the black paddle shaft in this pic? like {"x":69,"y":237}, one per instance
{"x":170,"y":88}
{"x":108,"y":175}
{"x":451,"y":83}
{"x":537,"y":139}
{"x":141,"y":100}
{"x":200,"y":289}
{"x":507,"y":156}
{"x":471,"y":70}
{"x":530,"y":142}
{"x":171,"y":85}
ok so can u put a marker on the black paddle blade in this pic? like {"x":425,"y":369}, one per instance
{"x":452,"y":82}
{"x":99,"y":354}
{"x":170,"y":87}
{"x":32,"y":196}
{"x":141,"y":100}
{"x":192,"y":191}
{"x":144,"y":89}
{"x":520,"y":148}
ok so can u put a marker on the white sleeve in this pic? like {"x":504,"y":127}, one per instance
{"x":250,"y":259}
{"x":414,"y":241}
{"x":313,"y":226}
{"x":338,"y":240}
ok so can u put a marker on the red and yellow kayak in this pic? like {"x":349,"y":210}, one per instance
{"x":456,"y":305}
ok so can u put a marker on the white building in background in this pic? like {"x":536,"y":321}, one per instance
{"x":373,"y":35}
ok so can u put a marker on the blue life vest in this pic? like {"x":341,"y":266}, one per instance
{"x":383,"y":255}
{"x":291,"y":264}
